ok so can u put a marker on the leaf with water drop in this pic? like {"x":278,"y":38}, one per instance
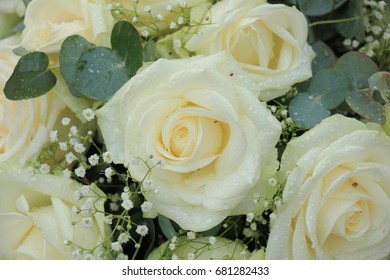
{"x":71,"y":50}
{"x":325,"y":57}
{"x":380,"y":82}
{"x":30,"y":78}
{"x":125,"y":40}
{"x":306,"y":112}
{"x":329,"y":88}
{"x":100,"y":72}
{"x":316,"y":8}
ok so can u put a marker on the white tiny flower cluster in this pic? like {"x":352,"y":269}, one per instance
{"x":127,"y":204}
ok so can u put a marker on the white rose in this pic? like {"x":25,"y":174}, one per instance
{"x":269,"y":42}
{"x":36,"y":217}
{"x":49,"y":22}
{"x":24,"y":125}
{"x":12,"y":7}
{"x":201,"y":249}
{"x":214,"y":137}
{"x":336,"y":202}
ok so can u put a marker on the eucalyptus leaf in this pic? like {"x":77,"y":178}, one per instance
{"x":316,"y":8}
{"x":380,"y":82}
{"x":125,"y":40}
{"x":166,"y":227}
{"x":306,"y":112}
{"x":71,"y":50}
{"x":100,"y":72}
{"x":364,"y":104}
{"x":20,"y":51}
{"x":357,"y":69}
{"x":325,"y":57}
{"x":30,"y":78}
{"x":353,"y":28}
{"x":329,"y":88}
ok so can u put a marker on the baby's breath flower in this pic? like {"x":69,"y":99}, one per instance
{"x":146,"y":206}
{"x":147,"y":9}
{"x":53,"y":135}
{"x":85,"y":190}
{"x":174,"y":239}
{"x":63,"y":146}
{"x":181,"y":21}
{"x":74,"y":210}
{"x":191,"y":235}
{"x":114,"y":206}
{"x":123,"y":238}
{"x":88,"y":114}
{"x":30,"y":171}
{"x":172,"y":246}
{"x":127,"y":204}
{"x":142,"y":230}
{"x":159,"y":17}
{"x":93,"y":159}
{"x":73,"y":131}
{"x":122,"y":257}
{"x":44,"y":169}
{"x":212,"y":240}
{"x":376,"y":29}
{"x":250,"y":216}
{"x":169,"y":8}
{"x":66,"y":173}
{"x":107,"y":157}
{"x":173,"y":25}
{"x":191,"y":256}
{"x":116,"y":246}
{"x":253,"y":226}
{"x":108,"y":172}
{"x":79,"y":148}
{"x":182,"y":3}
{"x":65,"y":121}
{"x":145,"y":33}
{"x":80,"y":171}
{"x":174,"y":257}
{"x":108,"y":219}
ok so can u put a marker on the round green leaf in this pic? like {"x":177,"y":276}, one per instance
{"x":354,"y":28}
{"x":306,"y":112}
{"x":380,"y":81}
{"x":357,"y":68}
{"x":364,"y":104}
{"x":166,"y":226}
{"x":30,"y":78}
{"x":125,"y":40}
{"x":329,"y":88}
{"x":100,"y":72}
{"x":71,"y":50}
{"x":316,"y":8}
{"x":325,"y":57}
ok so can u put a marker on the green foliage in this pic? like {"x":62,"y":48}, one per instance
{"x":98,"y":72}
{"x":354,"y":79}
{"x":71,"y":50}
{"x":355,"y":28}
{"x":357,"y":69}
{"x":316,"y":8}
{"x":166,"y":226}
{"x":327,"y":90}
{"x":31,"y":77}
{"x":325,"y":57}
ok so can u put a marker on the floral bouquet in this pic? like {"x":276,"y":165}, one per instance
{"x":194,"y":129}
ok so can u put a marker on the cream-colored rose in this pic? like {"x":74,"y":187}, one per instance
{"x":11,"y":12}
{"x":49,"y":22}
{"x":336,"y":202}
{"x":24,"y":125}
{"x":36,"y":217}
{"x":201,"y":249}
{"x":156,"y":15}
{"x":269,"y":42}
{"x":215,"y":138}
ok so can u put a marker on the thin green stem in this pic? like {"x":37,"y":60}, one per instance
{"x":321,"y":22}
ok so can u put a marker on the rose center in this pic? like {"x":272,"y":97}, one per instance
{"x":179,"y":140}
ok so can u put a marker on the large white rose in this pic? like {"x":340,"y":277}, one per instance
{"x":49,"y":22}
{"x":269,"y":42}
{"x":36,"y":217}
{"x":24,"y":125}
{"x":215,"y":138}
{"x":201,"y":249}
{"x":336,"y":202}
